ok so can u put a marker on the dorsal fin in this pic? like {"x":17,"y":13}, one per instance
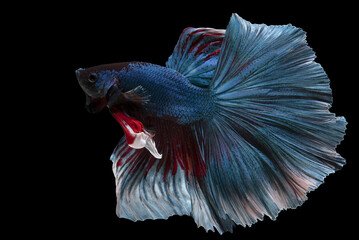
{"x":196,"y":54}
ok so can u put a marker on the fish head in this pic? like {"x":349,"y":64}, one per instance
{"x":102,"y":88}
{"x":99,"y":83}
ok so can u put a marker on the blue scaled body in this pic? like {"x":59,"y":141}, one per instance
{"x":170,"y":93}
{"x":235,"y":127}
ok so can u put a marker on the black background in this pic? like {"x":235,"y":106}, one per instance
{"x":76,"y":186}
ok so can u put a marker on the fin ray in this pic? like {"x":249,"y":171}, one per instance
{"x":143,"y":195}
{"x":273,"y":138}
{"x":196,"y":54}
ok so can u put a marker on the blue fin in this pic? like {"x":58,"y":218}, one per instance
{"x":273,"y":138}
{"x":145,"y":191}
{"x":196,"y":54}
{"x":142,"y":193}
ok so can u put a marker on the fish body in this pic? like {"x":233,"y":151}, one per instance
{"x":170,"y":93}
{"x":235,"y":126}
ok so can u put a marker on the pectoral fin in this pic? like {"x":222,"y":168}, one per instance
{"x":136,"y":135}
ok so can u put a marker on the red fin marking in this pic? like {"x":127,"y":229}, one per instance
{"x":214,"y":53}
{"x":247,"y":64}
{"x":180,"y":162}
{"x":135,"y":166}
{"x":167,"y":168}
{"x":127,"y":122}
{"x":177,"y":154}
{"x":200,"y":39}
{"x":175,"y":158}
{"x":174,"y":168}
{"x":179,"y":147}
{"x":123,"y":156}
{"x":183,"y":32}
{"x":138,"y":161}
{"x":204,"y":46}
{"x":195,"y":43}
{"x":122,"y":149}
{"x":189,"y":36}
{"x":150,"y":164}
{"x":132,"y":157}
{"x":119,"y":163}
{"x":187,"y":29}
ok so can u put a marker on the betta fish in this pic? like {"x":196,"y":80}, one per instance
{"x":235,"y":127}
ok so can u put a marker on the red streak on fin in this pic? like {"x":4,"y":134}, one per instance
{"x":126,"y":123}
{"x":174,"y":168}
{"x":180,"y":149}
{"x":150,"y":164}
{"x":122,"y":149}
{"x":204,"y":46}
{"x":200,"y":39}
{"x":183,"y":32}
{"x":123,"y":156}
{"x":136,"y":164}
{"x":189,"y":36}
{"x":212,"y":54}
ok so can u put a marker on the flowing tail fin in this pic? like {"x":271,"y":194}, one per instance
{"x":273,"y":138}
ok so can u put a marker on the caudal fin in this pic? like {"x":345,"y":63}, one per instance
{"x":273,"y":138}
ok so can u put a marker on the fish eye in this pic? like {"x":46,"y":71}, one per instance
{"x":92,"y":77}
